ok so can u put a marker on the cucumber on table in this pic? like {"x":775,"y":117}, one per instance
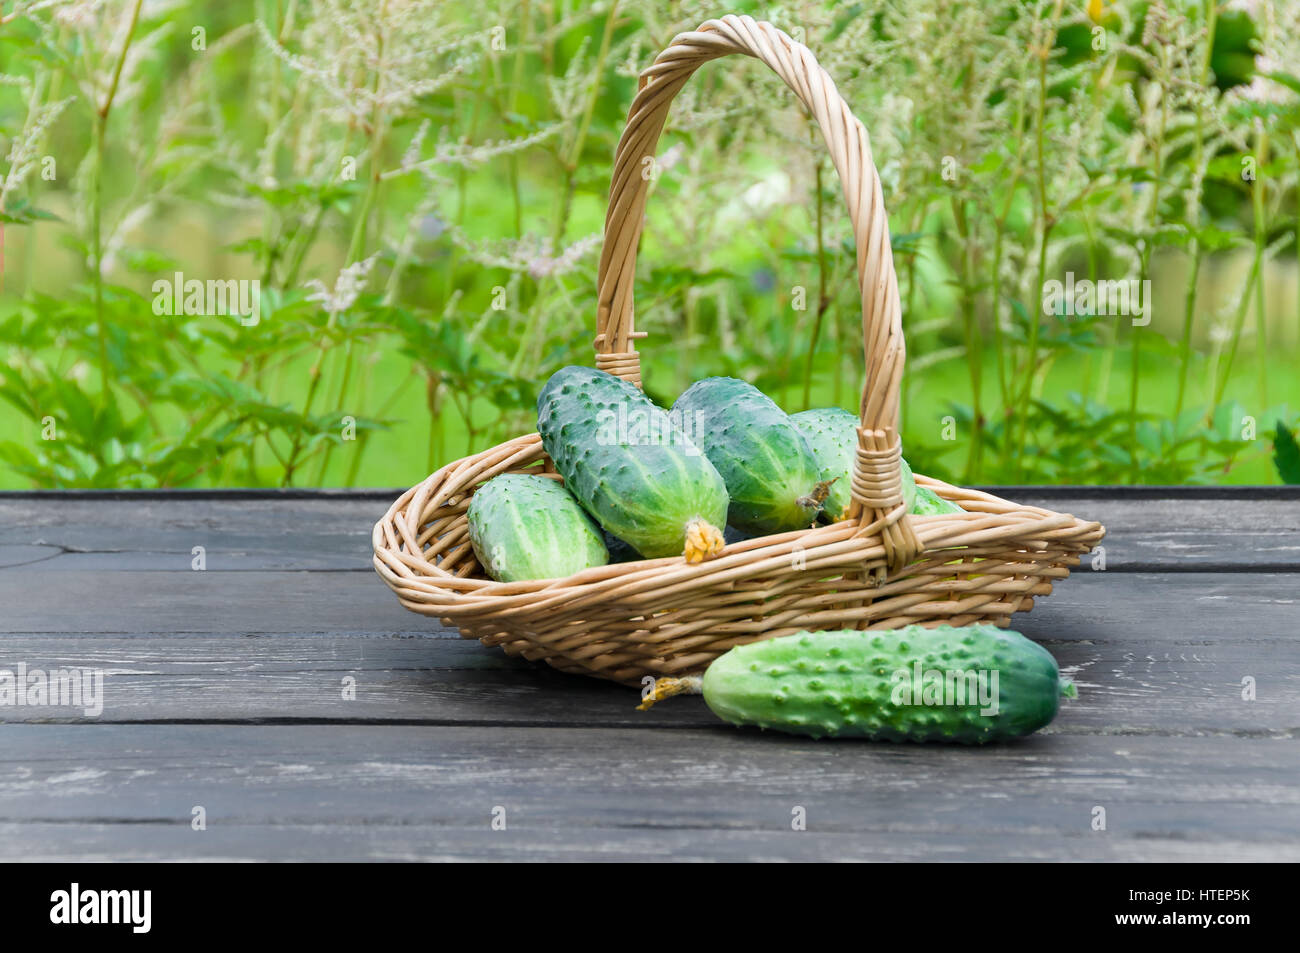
{"x":769,"y":468}
{"x":524,"y":526}
{"x":630,"y":466}
{"x":966,"y":685}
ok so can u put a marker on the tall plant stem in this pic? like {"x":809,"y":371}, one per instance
{"x":1198,"y":173}
{"x":358,"y":243}
{"x":1189,"y":316}
{"x":363,"y":438}
{"x":433,"y":401}
{"x":1252,"y":282}
{"x":1261,"y":237}
{"x":995,"y":285}
{"x":995,"y":323}
{"x":1045,"y":224}
{"x":97,"y":257}
{"x":571,"y":160}
{"x":376,"y":130}
{"x":295,"y":446}
{"x":918,"y":223}
{"x":516,"y":82}
{"x":974,"y":340}
{"x":1092,"y":276}
{"x":1238,"y":325}
{"x":1135,"y":371}
{"x":462,"y":188}
{"x":1148,"y":249}
{"x":314,"y":382}
{"x":272,"y":114}
{"x":96,"y":202}
{"x":823,"y":300}
{"x":970,"y":321}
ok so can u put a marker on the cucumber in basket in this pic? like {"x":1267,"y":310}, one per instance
{"x":832,"y":432}
{"x":630,"y":466}
{"x":770,"y":471}
{"x":524,"y":526}
{"x":967,"y":685}
{"x":930,"y":503}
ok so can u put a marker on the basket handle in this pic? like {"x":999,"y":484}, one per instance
{"x":876,"y":488}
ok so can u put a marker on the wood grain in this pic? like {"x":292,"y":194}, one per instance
{"x":690,"y":794}
{"x":1187,"y":687}
{"x":1185,"y":530}
{"x":224,"y":688}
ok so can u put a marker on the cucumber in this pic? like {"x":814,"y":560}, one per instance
{"x":832,"y":432}
{"x":529,"y":527}
{"x":630,"y":466}
{"x":770,"y":471}
{"x":853,"y":684}
{"x":930,"y":503}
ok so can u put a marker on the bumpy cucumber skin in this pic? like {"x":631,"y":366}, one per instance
{"x":763,"y":457}
{"x":642,"y":492}
{"x":840,"y":684}
{"x":529,"y":527}
{"x":832,"y":432}
{"x":930,"y":503}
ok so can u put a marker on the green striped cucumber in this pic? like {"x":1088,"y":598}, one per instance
{"x":930,"y":503}
{"x":832,"y":432}
{"x":770,"y":471}
{"x":524,"y":526}
{"x":630,"y":466}
{"x":965,"y":685}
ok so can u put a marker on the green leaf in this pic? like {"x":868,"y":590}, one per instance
{"x":1286,"y":455}
{"x":908,"y":243}
{"x":148,"y":261}
{"x":1227,"y":420}
{"x":22,"y":212}
{"x":1289,"y":80}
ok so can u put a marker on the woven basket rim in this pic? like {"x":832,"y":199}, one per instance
{"x":431,"y":578}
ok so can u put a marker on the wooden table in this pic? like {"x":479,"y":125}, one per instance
{"x":226,"y":690}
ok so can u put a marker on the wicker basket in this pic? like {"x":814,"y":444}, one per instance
{"x":879,"y":568}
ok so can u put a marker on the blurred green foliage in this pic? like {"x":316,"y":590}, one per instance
{"x":418,"y":190}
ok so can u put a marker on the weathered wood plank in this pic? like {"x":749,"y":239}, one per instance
{"x":350,"y":840}
{"x":1185,"y":530}
{"x":179,"y":602}
{"x":87,"y":601}
{"x":565,"y":788}
{"x":237,"y":535}
{"x":1190,"y":687}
